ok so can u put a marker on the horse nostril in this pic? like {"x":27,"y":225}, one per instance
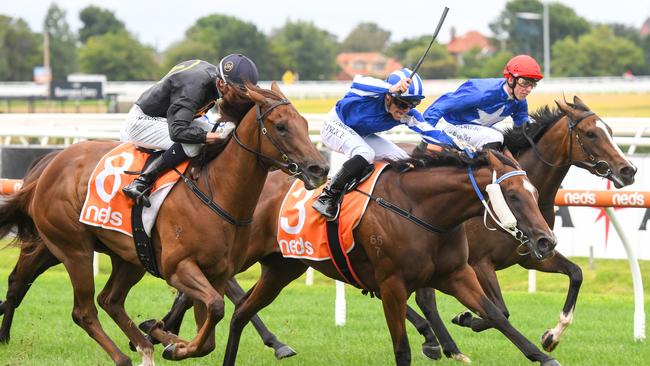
{"x":318,"y":170}
{"x":545,"y":245}
{"x":628,"y":171}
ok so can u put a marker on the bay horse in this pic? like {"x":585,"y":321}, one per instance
{"x":571,"y":135}
{"x":196,"y":250}
{"x":394,"y":257}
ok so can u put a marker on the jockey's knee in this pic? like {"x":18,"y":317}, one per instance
{"x":367,"y":154}
{"x":192,"y":150}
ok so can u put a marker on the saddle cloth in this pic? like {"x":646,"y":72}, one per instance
{"x":106,"y":206}
{"x":301,"y":230}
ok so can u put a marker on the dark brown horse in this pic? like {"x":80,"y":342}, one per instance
{"x":197,"y":251}
{"x":393,"y":256}
{"x":571,"y":135}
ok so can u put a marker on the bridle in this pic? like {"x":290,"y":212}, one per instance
{"x":286,"y":163}
{"x":600,"y":167}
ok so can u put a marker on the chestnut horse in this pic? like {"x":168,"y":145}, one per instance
{"x":396,"y":259}
{"x":571,"y":135}
{"x":196,"y":250}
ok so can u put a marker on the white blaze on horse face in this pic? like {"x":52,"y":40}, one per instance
{"x":530,"y":188}
{"x":600,"y":124}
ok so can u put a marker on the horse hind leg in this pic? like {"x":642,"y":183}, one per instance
{"x":277,"y":273}
{"x":236,"y":294}
{"x":31,"y":263}
{"x":123,"y":277}
{"x":430,"y":348}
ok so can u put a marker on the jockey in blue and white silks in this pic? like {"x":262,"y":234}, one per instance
{"x":370,"y":106}
{"x":469,"y":113}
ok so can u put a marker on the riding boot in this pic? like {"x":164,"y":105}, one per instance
{"x":328,"y":203}
{"x":138,"y":190}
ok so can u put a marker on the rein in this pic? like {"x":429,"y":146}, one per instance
{"x":601,"y":167}
{"x":261,"y":130}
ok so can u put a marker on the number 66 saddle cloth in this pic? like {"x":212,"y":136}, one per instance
{"x":302,"y":231}
{"x":106,"y":206}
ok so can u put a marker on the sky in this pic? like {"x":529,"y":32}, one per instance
{"x":159,"y":25}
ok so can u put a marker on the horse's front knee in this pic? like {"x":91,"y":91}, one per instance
{"x":216,"y":308}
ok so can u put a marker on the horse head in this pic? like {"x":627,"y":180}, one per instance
{"x":280,"y":137}
{"x":590,"y":144}
{"x":521,"y":197}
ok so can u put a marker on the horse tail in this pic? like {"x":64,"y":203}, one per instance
{"x":14,"y":210}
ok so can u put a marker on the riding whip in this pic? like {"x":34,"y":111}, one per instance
{"x":435,"y":34}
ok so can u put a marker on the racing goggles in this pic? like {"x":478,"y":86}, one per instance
{"x":526,"y":82}
{"x":405,"y":103}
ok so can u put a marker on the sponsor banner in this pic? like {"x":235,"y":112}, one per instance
{"x":61,"y":90}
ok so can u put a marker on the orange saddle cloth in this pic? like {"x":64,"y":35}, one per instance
{"x":105,"y":205}
{"x":301,"y":230}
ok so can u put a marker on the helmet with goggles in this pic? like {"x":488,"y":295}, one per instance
{"x":415,"y":90}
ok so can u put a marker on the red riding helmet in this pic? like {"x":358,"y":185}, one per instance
{"x":522,"y":66}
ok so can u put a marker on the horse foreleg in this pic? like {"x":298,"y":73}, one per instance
{"x":277,"y":273}
{"x":426,"y":300}
{"x":31,"y":263}
{"x":430,"y":347}
{"x":393,"y":298}
{"x":489,"y":282}
{"x":464,"y":286}
{"x":559,"y":264}
{"x":236,"y":294}
{"x":123,"y":277}
{"x":189,"y":279}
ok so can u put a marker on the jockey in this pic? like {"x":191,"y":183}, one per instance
{"x":370,"y":106}
{"x":469,"y":113}
{"x":170,"y":114}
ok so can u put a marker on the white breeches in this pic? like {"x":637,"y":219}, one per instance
{"x":343,"y":139}
{"x":475,"y":135}
{"x":153,"y":132}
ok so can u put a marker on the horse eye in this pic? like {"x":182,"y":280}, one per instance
{"x":513,"y":197}
{"x":281,"y":127}
{"x":591,"y":135}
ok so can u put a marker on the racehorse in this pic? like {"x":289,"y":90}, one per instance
{"x":394,"y":257}
{"x":196,"y":250}
{"x":571,"y":135}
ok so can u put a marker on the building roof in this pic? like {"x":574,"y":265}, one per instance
{"x":365,"y":63}
{"x":645,"y":28}
{"x":469,"y":40}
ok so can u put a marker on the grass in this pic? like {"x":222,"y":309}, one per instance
{"x":43,"y":333}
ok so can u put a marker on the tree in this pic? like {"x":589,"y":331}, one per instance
{"x":118,"y":56}
{"x":215,"y":36}
{"x":645,"y":45}
{"x":63,"y":49}
{"x":306,"y":49}
{"x":20,"y":50}
{"x":97,"y":21}
{"x":598,"y":53}
{"x":478,"y":65}
{"x":526,"y":36}
{"x":366,"y":37}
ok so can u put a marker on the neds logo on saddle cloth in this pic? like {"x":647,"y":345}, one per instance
{"x":301,"y":230}
{"x":106,"y":206}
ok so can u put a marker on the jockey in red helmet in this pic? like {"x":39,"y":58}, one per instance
{"x":469,"y":113}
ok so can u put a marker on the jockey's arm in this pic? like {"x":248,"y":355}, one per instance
{"x":179,"y":118}
{"x":466,"y":96}
{"x":429,"y":133}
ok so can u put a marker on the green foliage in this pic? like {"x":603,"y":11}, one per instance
{"x":366,"y":37}
{"x":645,"y":45}
{"x":477,"y":65}
{"x":63,"y":49}
{"x":20,"y":50}
{"x":97,"y":21}
{"x":306,"y":49}
{"x":438,"y":64}
{"x":215,"y":36}
{"x":598,"y":53}
{"x":118,"y":56}
{"x":399,"y":49}
{"x":526,"y":36}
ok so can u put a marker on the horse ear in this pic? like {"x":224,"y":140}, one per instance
{"x":494,"y":161}
{"x":255,"y":96}
{"x":577,"y":101}
{"x":276,"y":88}
{"x":564,"y":107}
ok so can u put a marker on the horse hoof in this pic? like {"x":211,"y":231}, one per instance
{"x":168,"y":352}
{"x":550,"y":362}
{"x":147,"y":325}
{"x":461,"y":358}
{"x":463,"y":319}
{"x":548,"y":342}
{"x":432,"y":352}
{"x":284,"y":352}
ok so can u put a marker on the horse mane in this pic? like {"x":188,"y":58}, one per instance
{"x":544,"y":117}
{"x":232,"y":113}
{"x":420,"y":160}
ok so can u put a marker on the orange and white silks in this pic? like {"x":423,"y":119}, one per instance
{"x":581,"y":197}
{"x":10,"y":186}
{"x":301,"y":230}
{"x":106,"y":206}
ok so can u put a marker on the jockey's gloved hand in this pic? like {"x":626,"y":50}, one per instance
{"x":225,"y":129}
